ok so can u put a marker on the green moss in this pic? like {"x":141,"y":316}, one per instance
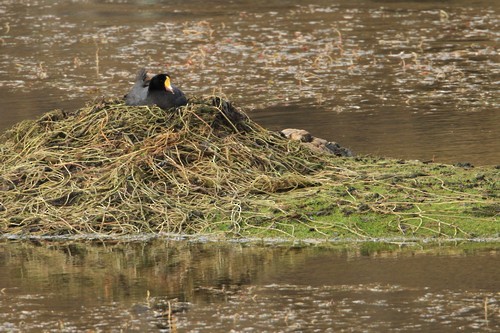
{"x":207,"y":168}
{"x":412,"y":200}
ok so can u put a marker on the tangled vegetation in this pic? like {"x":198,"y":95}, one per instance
{"x":207,"y":168}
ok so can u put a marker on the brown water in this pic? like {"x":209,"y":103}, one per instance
{"x":61,"y":286}
{"x":406,"y":79}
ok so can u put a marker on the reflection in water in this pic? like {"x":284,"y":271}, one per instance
{"x":406,"y":79}
{"x":244,"y":287}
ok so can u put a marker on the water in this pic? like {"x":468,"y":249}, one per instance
{"x":212,"y":287}
{"x":404,"y":79}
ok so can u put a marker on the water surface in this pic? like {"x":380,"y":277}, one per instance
{"x":192,"y":287}
{"x":405,"y":79}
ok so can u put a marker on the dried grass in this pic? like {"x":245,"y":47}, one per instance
{"x":112,"y":168}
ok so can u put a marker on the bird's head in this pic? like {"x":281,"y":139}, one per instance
{"x":161,"y":82}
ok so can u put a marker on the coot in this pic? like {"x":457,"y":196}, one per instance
{"x":157,"y":91}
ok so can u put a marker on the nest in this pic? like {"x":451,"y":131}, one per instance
{"x":116,"y":169}
{"x":112,"y":169}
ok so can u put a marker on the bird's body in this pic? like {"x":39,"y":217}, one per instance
{"x":139,"y":92}
{"x":157,"y":91}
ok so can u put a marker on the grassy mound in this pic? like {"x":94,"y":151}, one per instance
{"x":113,"y":168}
{"x":206,"y":167}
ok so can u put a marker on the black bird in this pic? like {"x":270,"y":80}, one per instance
{"x":139,"y":92}
{"x":157,"y":91}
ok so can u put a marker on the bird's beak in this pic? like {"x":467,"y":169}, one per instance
{"x":168,"y":87}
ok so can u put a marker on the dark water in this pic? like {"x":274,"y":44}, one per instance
{"x":191,"y":287}
{"x":406,"y":79}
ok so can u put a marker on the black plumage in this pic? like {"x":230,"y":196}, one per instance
{"x":157,"y":91}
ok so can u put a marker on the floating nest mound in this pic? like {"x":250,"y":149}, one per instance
{"x":112,"y":168}
{"x":206,"y":167}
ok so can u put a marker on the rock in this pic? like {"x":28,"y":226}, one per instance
{"x":319,"y":142}
{"x":338,"y":150}
{"x":314,"y":143}
{"x":297,"y":134}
